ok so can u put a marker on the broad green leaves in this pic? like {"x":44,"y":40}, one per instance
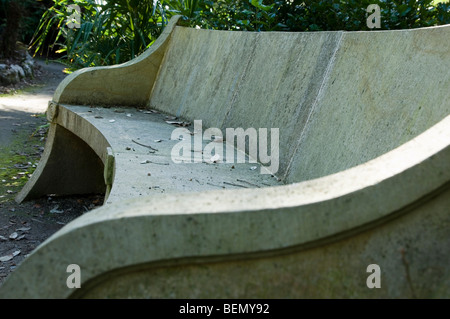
{"x":116,"y":31}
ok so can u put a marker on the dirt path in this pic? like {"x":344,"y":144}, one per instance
{"x":23,"y":227}
{"x":33,"y":99}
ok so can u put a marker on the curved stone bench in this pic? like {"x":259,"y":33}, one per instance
{"x":364,"y":155}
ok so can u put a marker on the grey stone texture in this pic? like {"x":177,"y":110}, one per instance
{"x":364,"y":170}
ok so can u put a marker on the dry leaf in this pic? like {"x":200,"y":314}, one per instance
{"x":56,"y":211}
{"x":6,"y":258}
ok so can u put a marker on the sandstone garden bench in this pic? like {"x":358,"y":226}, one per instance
{"x":362,"y":177}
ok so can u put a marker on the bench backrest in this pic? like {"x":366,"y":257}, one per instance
{"x":338,"y":98}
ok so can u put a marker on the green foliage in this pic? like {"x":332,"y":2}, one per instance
{"x":110,"y":33}
{"x":118,"y":30}
{"x":18,"y":161}
{"x":314,"y":15}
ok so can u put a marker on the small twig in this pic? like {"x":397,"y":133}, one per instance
{"x":235,"y":185}
{"x":158,"y":163}
{"x":148,"y":146}
{"x":215,"y":185}
{"x":243,"y":181}
{"x":149,"y":161}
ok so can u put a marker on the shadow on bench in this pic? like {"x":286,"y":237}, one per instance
{"x":263,"y":165}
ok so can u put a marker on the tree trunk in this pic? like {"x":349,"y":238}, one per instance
{"x":11,"y":31}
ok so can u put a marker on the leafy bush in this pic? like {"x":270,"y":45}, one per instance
{"x":115,"y":31}
{"x":313,"y":15}
{"x":111,"y":32}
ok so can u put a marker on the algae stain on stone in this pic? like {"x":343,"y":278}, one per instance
{"x":18,"y":161}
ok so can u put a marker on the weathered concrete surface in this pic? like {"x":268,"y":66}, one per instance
{"x":364,"y":144}
{"x":383,"y":89}
{"x":218,"y":228}
{"x":356,"y":94}
{"x":129,"y":83}
{"x":80,"y":171}
{"x":410,"y":250}
{"x":241,"y":79}
{"x":81,"y":135}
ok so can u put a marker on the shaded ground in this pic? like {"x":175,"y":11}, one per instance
{"x":22,"y":138}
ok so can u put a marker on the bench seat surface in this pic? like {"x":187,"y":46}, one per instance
{"x":142,"y":171}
